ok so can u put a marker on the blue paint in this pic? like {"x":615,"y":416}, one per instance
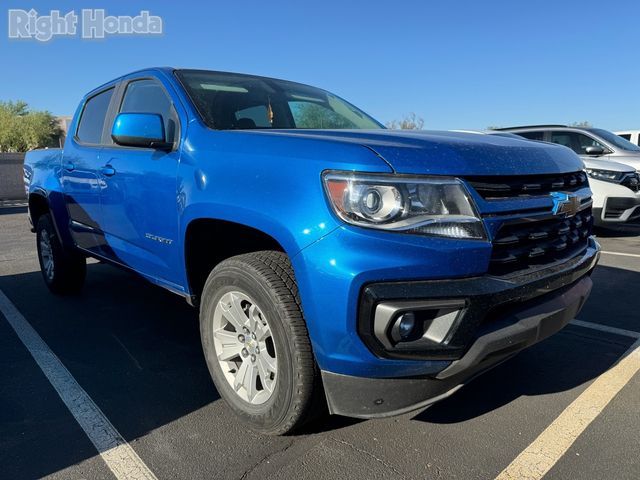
{"x":147,"y":126}
{"x":270,"y":180}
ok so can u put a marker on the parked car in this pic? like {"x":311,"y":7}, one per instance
{"x":632,"y":136}
{"x":615,"y":188}
{"x":616,"y":192}
{"x":333,"y":261}
{"x":594,"y":143}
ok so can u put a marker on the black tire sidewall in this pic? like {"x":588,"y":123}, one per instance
{"x":273,"y":412}
{"x":69,"y":267}
{"x":44,"y":224}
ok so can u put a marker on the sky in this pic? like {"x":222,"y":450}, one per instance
{"x":456,"y":64}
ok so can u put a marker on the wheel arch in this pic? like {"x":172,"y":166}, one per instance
{"x":40,"y":202}
{"x":209,"y":241}
{"x":38,"y":206}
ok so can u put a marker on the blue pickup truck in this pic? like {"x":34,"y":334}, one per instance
{"x":336,"y":264}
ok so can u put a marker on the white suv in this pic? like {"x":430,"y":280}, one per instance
{"x":611,"y":162}
{"x":594,"y":143}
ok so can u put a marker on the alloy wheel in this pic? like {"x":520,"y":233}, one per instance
{"x":245,"y":347}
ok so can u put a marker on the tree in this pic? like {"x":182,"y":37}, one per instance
{"x":19,"y":108}
{"x":22,"y":129}
{"x":409,"y":122}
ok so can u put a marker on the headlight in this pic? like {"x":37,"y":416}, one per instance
{"x":605,"y":175}
{"x":437,"y":206}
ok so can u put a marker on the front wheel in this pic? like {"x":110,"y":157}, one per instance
{"x":63,"y":270}
{"x":256,"y":343}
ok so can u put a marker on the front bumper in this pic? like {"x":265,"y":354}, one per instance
{"x":503,"y":317}
{"x":614,"y":203}
{"x":618,"y":210}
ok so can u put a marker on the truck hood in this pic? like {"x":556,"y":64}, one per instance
{"x":452,"y":153}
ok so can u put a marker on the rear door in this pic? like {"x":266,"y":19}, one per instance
{"x":80,"y":173}
{"x":139,"y":196}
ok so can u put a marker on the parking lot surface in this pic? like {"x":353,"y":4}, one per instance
{"x":135,"y":350}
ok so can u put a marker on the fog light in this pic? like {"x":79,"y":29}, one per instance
{"x":406,"y":323}
{"x":415,"y":324}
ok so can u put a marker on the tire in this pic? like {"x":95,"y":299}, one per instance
{"x":63,"y":270}
{"x":276,"y":362}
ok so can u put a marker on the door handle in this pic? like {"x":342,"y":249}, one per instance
{"x":69,"y":166}
{"x":108,"y":171}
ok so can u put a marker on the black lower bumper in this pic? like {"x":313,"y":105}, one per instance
{"x":485,"y":301}
{"x":531,"y":309}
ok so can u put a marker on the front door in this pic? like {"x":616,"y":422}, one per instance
{"x":139,"y":197}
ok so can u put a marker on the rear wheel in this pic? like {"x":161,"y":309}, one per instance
{"x":256,"y":342}
{"x":63,"y":270}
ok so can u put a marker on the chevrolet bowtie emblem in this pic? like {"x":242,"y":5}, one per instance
{"x":565,"y":204}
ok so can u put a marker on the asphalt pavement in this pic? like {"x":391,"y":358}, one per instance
{"x":135,"y":350}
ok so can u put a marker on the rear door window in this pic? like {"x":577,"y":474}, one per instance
{"x":531,"y":135}
{"x":566,"y":139}
{"x":92,"y":119}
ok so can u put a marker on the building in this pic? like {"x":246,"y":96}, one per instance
{"x":64,"y":123}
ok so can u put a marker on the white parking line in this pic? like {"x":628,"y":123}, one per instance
{"x":605,"y":328}
{"x":121,"y":459}
{"x":545,"y":451}
{"x":621,"y":254}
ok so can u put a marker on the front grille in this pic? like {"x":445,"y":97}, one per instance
{"x":527,"y":185}
{"x":632,"y":181}
{"x":527,"y":243}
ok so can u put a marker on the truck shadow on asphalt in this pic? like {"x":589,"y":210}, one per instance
{"x":569,"y":359}
{"x":133,"y":347}
{"x":558,"y":364}
{"x":136,"y":350}
{"x":11,"y":210}
{"x":630,"y":230}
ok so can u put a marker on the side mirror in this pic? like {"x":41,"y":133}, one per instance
{"x":145,"y":130}
{"x":594,"y":150}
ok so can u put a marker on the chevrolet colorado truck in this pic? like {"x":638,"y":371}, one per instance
{"x":336,"y":264}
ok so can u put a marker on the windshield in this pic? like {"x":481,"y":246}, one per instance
{"x":615,"y":140}
{"x":228,"y":101}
